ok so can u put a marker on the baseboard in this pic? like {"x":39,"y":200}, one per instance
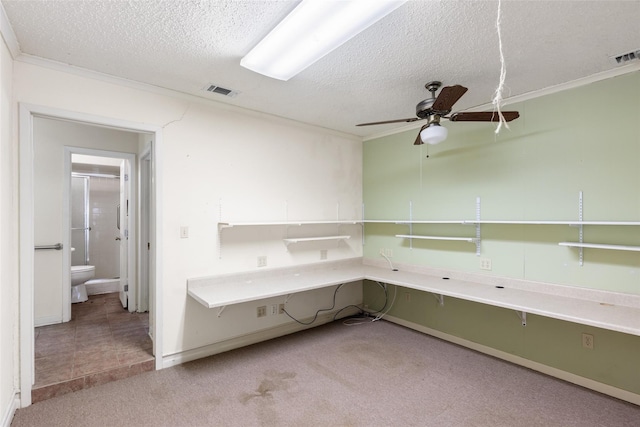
{"x":548,"y":370}
{"x":47,"y":320}
{"x":249,"y":339}
{"x":14,"y":404}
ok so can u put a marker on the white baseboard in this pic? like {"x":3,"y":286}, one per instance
{"x":548,"y":370}
{"x":47,"y":320}
{"x":245,"y":340}
{"x":14,"y":404}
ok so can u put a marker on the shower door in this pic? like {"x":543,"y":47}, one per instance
{"x":80,"y":220}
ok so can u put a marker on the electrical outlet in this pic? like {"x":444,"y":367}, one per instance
{"x":273,"y":309}
{"x":261,"y":311}
{"x":386,"y":252}
{"x":323,"y":254}
{"x":587,"y":341}
{"x":281,"y":309}
{"x":407,"y":297}
{"x":184,"y":232}
{"x":485,"y":263}
{"x":262,"y":261}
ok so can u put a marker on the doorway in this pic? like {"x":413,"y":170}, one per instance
{"x":29,"y":118}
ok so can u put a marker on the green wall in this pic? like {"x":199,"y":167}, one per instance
{"x":584,"y":139}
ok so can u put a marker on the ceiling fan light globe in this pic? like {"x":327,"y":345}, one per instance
{"x":434,"y":134}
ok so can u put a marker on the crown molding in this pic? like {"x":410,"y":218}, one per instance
{"x":8,"y":35}
{"x":133,"y":84}
{"x":615,"y":72}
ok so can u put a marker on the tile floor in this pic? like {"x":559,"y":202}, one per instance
{"x":103,"y":342}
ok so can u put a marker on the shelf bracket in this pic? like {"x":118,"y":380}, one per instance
{"x":410,"y":224}
{"x":581,"y":234}
{"x":477,"y":226}
{"x":221,"y":309}
{"x":523,"y":317}
{"x":440,"y":299}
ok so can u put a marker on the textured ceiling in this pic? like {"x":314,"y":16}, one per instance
{"x":378,"y":75}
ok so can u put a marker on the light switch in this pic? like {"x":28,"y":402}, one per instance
{"x":184,"y":232}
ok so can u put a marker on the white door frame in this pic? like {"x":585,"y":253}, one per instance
{"x":66,"y":218}
{"x":144,"y":189}
{"x":26,"y":242}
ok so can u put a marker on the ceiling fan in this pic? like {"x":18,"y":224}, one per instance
{"x":437,"y":107}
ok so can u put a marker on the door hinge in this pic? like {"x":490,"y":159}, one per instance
{"x":126,"y":234}
{"x":126,"y":288}
{"x":126,"y":177}
{"x":148,"y":246}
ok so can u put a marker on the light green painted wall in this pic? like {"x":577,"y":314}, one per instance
{"x":555,"y":343}
{"x":585,"y":139}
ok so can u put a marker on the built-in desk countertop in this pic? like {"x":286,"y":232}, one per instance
{"x":607,"y":310}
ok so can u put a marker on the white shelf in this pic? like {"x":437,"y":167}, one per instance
{"x":417,"y":236}
{"x":314,"y":239}
{"x":600,"y":246}
{"x":632,"y":223}
{"x":222,"y":225}
{"x":463,"y":222}
{"x":505,"y":222}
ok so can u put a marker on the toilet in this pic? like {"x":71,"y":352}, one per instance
{"x":79,"y":275}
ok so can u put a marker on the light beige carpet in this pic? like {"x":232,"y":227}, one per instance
{"x":377,"y":374}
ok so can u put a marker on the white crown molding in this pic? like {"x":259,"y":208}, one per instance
{"x":133,"y":84}
{"x":615,"y":72}
{"x":8,"y":35}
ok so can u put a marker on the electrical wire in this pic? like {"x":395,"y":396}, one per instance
{"x":315,"y":317}
{"x":395,"y":293}
{"x":351,"y":320}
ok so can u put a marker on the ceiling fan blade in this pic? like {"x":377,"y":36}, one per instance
{"x":413,"y":119}
{"x":448,"y":96}
{"x":418,"y":138}
{"x":483,"y":116}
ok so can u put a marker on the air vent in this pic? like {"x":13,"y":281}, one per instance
{"x":221,"y":90}
{"x":626,"y":57}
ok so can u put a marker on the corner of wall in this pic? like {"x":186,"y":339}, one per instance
{"x":9,"y":412}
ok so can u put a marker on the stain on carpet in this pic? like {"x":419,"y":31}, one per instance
{"x":273,"y":381}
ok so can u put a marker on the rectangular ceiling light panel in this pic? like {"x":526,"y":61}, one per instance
{"x":312,"y":30}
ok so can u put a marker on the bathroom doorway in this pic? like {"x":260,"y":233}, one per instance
{"x":41,"y":127}
{"x":100,"y":187}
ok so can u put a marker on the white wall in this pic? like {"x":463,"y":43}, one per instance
{"x":49,"y":139}
{"x":220,"y":160}
{"x":8,"y":242}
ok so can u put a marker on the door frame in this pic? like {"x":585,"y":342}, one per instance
{"x":26,"y":229}
{"x":132,"y":242}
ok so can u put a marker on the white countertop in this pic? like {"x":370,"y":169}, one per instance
{"x":223,"y":290}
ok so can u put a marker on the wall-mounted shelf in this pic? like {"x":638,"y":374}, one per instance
{"x":222,"y":225}
{"x":314,"y":239}
{"x":417,"y":236}
{"x":580,"y":223}
{"x":600,"y":246}
{"x":576,"y":223}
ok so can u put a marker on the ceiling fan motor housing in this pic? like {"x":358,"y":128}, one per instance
{"x":423,"y":109}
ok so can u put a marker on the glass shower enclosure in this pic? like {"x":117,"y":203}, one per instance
{"x":80,"y":220}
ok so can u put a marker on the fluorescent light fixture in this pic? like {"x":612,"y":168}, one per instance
{"x":434,"y":134}
{"x":312,"y":30}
